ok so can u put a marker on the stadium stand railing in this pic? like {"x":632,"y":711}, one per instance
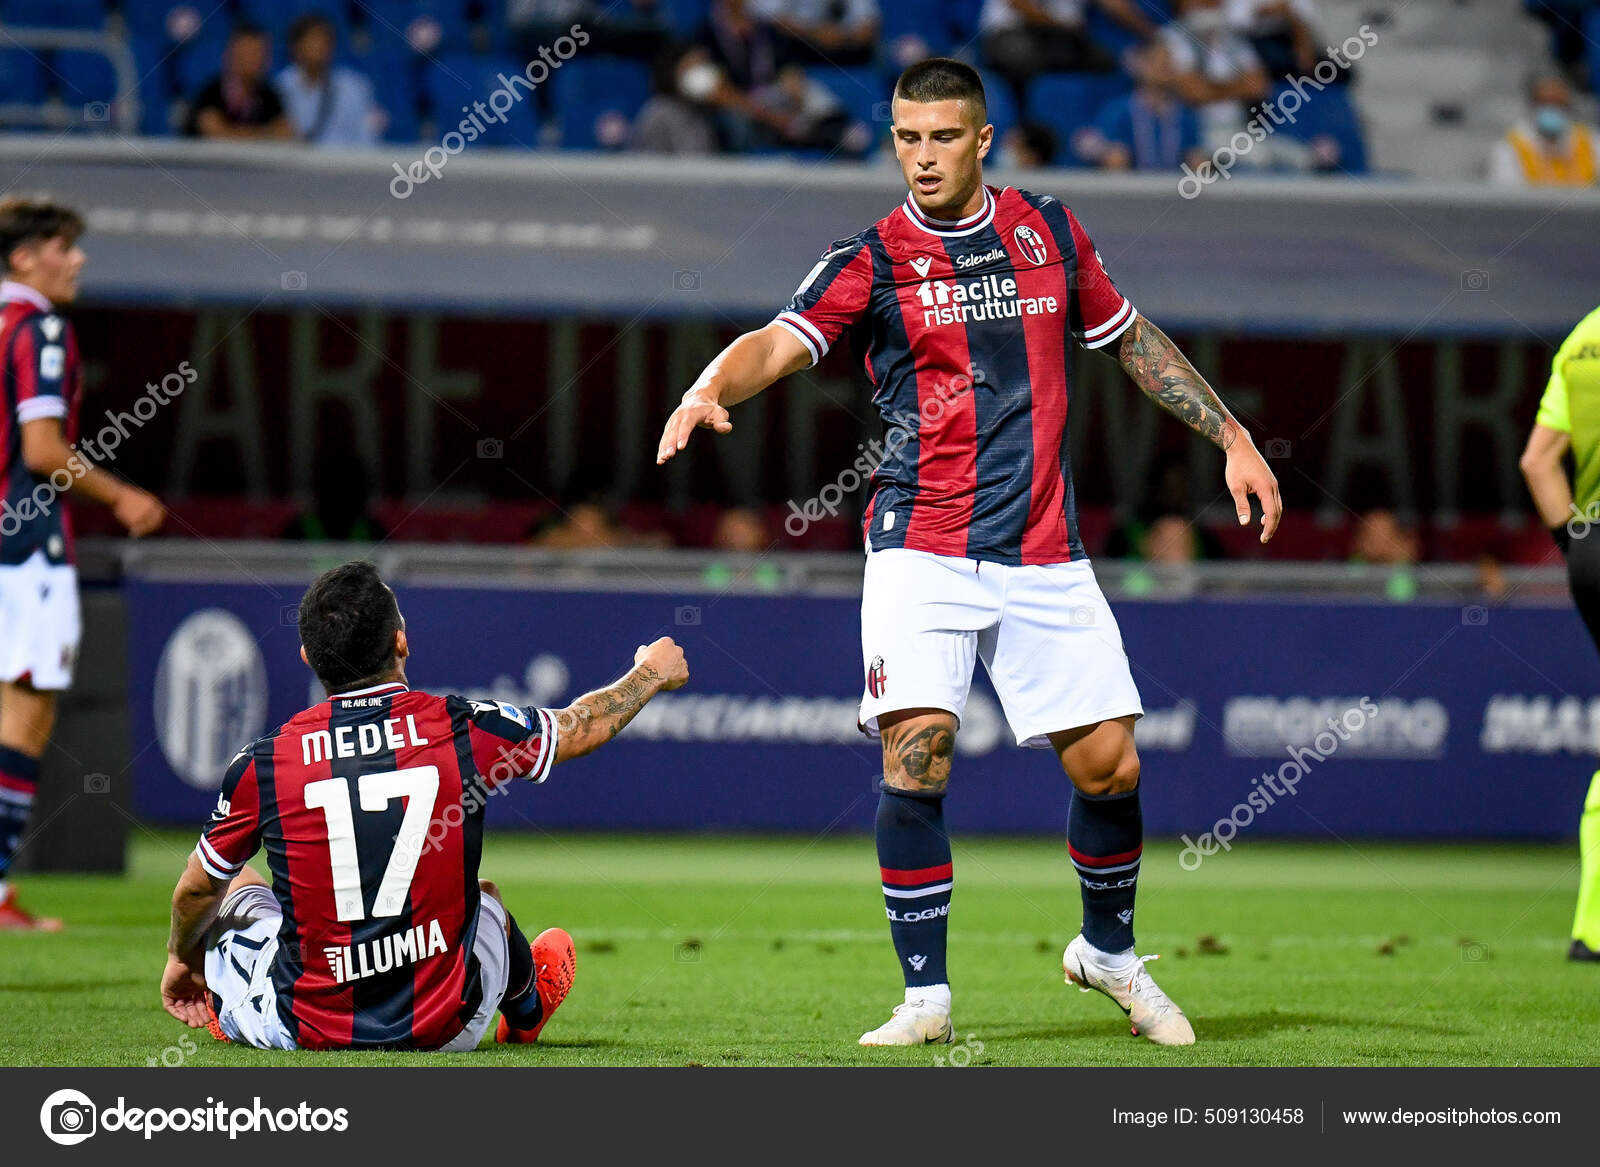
{"x":67,"y":78}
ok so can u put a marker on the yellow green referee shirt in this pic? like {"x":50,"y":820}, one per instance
{"x":1571,"y":404}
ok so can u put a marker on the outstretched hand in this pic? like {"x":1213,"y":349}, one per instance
{"x":1246,"y":474}
{"x":183,"y":993}
{"x":692,"y":414}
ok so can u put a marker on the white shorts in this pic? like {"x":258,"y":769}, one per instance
{"x":244,"y":941}
{"x":39,"y":622}
{"x":1044,"y":632}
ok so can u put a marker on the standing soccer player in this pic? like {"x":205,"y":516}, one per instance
{"x":41,"y":383}
{"x":1569,"y":418}
{"x":964,"y":301}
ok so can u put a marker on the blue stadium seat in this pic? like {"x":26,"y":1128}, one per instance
{"x":586,"y":90}
{"x":83,"y":77}
{"x":686,"y":17}
{"x":911,"y":18}
{"x":963,"y":16}
{"x":394,"y":84}
{"x":1113,"y":37}
{"x":1332,"y":113}
{"x":55,"y":13}
{"x":389,"y":23}
{"x":150,"y":17}
{"x":277,"y":15}
{"x":1002,"y":104}
{"x":22,"y":77}
{"x":861,"y":90}
{"x":459,"y":80}
{"x":198,"y":60}
{"x":154,"y":67}
{"x":1066,"y":102}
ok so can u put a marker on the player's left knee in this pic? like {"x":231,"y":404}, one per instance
{"x":1120,"y":776}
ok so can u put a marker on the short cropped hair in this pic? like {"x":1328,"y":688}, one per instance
{"x":33,"y":219}
{"x":943,"y":79}
{"x":348,"y":618}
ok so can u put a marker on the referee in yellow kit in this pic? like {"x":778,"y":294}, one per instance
{"x":1569,"y":418}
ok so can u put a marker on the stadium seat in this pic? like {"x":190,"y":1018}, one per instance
{"x":198,"y":60}
{"x":1066,"y":102}
{"x":1113,"y":37}
{"x":22,"y":79}
{"x":394,"y":84}
{"x":1331,"y":113}
{"x":587,"y":90}
{"x":460,"y":79}
{"x":83,"y":78}
{"x":154,"y":67}
{"x":686,"y":17}
{"x":1002,"y":104}
{"x":861,"y":90}
{"x":429,"y":27}
{"x":55,"y":13}
{"x":908,"y":21}
{"x":155,"y":18}
{"x":276,"y":16}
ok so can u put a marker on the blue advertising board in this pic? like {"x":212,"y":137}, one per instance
{"x":1268,"y":718}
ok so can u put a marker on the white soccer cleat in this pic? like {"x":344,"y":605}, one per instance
{"x":913,"y":1023}
{"x":1152,"y":1013}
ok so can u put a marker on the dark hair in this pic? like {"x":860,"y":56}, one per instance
{"x":245,"y":29}
{"x":943,"y":79}
{"x":34,"y":220}
{"x":310,"y":22}
{"x":348,"y":618}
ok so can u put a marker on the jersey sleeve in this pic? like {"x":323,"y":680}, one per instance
{"x":1100,"y":313}
{"x":39,"y":367}
{"x":509,"y":741}
{"x":234,"y":833}
{"x":833,"y":297}
{"x":1553,"y":409}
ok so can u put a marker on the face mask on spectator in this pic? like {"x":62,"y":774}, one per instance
{"x":699,"y":82}
{"x":1551,"y":120}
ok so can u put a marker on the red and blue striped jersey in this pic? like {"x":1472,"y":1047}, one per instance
{"x":40,"y":376}
{"x":370,"y":807}
{"x":966,"y":330}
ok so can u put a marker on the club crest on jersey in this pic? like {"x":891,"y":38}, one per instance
{"x":877,"y":677}
{"x":1032,"y":244}
{"x":921,"y":264}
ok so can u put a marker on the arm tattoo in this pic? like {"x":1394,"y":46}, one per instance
{"x":1165,"y":376}
{"x":603,"y":713}
{"x":919,"y":757}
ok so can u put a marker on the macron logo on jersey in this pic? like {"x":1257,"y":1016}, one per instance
{"x":990,"y":297}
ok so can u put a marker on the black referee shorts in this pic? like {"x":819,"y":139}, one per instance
{"x":1583,"y":576}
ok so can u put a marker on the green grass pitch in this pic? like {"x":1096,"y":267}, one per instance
{"x":774,"y":951}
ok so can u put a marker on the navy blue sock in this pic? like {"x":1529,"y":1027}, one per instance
{"x":19,"y":777}
{"x":1105,"y":836}
{"x":914,"y":860}
{"x":521,"y":1005}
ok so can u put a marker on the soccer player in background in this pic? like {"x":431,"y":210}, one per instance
{"x":41,"y":382}
{"x":375,"y":931}
{"x":1569,"y":418}
{"x":964,"y":301}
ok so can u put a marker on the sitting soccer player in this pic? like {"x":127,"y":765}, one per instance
{"x":375,"y":931}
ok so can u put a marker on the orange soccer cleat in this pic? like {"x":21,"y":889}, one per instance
{"x":555,"y":963}
{"x":13,"y":917}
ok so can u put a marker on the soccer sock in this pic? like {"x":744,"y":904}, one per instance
{"x":1105,"y":835}
{"x":914,"y":860}
{"x":521,"y":1005}
{"x":19,"y":776}
{"x":1586,"y":921}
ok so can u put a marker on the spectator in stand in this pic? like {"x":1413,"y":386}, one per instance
{"x":744,"y":46}
{"x":1282,"y":32}
{"x":341,"y":501}
{"x":636,"y":29}
{"x":1151,"y":128}
{"x":1381,"y":540}
{"x":1214,"y":69}
{"x":327,"y":104}
{"x":1549,"y":147}
{"x":240,"y":102}
{"x":679,"y":117}
{"x":1030,"y":145}
{"x":822,"y":32}
{"x":798,"y":112}
{"x":1023,"y":38}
